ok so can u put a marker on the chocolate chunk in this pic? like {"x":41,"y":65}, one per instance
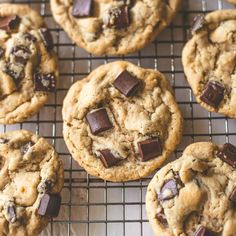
{"x":149,"y":149}
{"x":169,"y":190}
{"x":47,"y":38}
{"x":162,"y":218}
{"x":232,"y":196}
{"x":82,"y":8}
{"x":11,"y":213}
{"x":228,"y":154}
{"x":3,"y":140}
{"x":2,"y":51}
{"x":44,"y":82}
{"x":30,"y":37}
{"x":9,"y":23}
{"x":213,"y":93}
{"x":21,"y":54}
{"x":202,"y":231}
{"x":25,"y":148}
{"x":14,"y":71}
{"x":99,"y":121}
{"x":198,"y":23}
{"x":127,"y":84}
{"x":118,"y":17}
{"x":108,"y":158}
{"x":50,"y":205}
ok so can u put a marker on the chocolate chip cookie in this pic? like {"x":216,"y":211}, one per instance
{"x":113,"y":27}
{"x":31,"y":178}
{"x":28,"y":66}
{"x":196,"y":194}
{"x":209,"y":61}
{"x":121,"y":122}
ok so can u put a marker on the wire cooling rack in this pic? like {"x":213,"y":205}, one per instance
{"x":90,"y":206}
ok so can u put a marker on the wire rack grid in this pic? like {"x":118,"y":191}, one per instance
{"x":91,"y":206}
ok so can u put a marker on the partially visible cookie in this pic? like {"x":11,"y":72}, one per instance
{"x":121,"y":122}
{"x":232,"y":1}
{"x":113,"y":27}
{"x":28,"y":66}
{"x":209,"y":61}
{"x":31,"y":178}
{"x":196,"y":194}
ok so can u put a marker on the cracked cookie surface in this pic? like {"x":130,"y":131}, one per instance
{"x":121,"y":122}
{"x":28,"y":66}
{"x":195,"y":193}
{"x":30,"y":171}
{"x":209,"y":61}
{"x":113,"y":27}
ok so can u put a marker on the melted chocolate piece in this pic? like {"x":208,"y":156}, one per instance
{"x":228,"y":154}
{"x":108,"y":159}
{"x":50,"y":205}
{"x":99,"y":121}
{"x":149,"y":149}
{"x":202,"y":231}
{"x":198,"y":23}
{"x":213,"y":94}
{"x":44,"y":82}
{"x":232,"y":196}
{"x":11,"y":213}
{"x":162,"y":218}
{"x":25,"y":148}
{"x":82,"y":8}
{"x":2,"y":51}
{"x":3,"y":140}
{"x":17,"y":75}
{"x":169,"y":190}
{"x":21,"y":54}
{"x":9,"y":23}
{"x":30,"y":37}
{"x":47,"y":38}
{"x":127,"y":84}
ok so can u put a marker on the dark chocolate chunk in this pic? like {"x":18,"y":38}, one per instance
{"x":228,"y":154}
{"x":30,"y":37}
{"x":108,"y":158}
{"x":232,"y":196}
{"x":202,"y":231}
{"x":21,"y":54}
{"x":9,"y":23}
{"x":118,"y":17}
{"x":17,"y":75}
{"x":127,"y":84}
{"x":198,"y":23}
{"x":99,"y":121}
{"x":162,"y":218}
{"x":11,"y":213}
{"x":169,"y":190}
{"x":82,"y":8}
{"x":149,"y":149}
{"x":50,"y":205}
{"x":25,"y":148}
{"x":3,"y":140}
{"x":47,"y":38}
{"x":213,"y":93}
{"x":44,"y":82}
{"x":2,"y":51}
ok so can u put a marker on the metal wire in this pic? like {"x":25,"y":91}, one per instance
{"x":92,"y":207}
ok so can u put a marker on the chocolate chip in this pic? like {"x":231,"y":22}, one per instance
{"x":8,"y":23}
{"x":202,"y":231}
{"x":11,"y":213}
{"x":47,"y":38}
{"x":25,"y":148}
{"x":99,"y":121}
{"x":108,"y":158}
{"x":2,"y":51}
{"x":14,"y":71}
{"x":21,"y":54}
{"x":127,"y":84}
{"x":118,"y":17}
{"x":228,"y":154}
{"x":162,"y":218}
{"x":232,"y":196}
{"x":44,"y":82}
{"x":198,"y":23}
{"x":149,"y":149}
{"x":50,"y":205}
{"x":82,"y":8}
{"x":30,"y":37}
{"x":3,"y":140}
{"x":213,"y":93}
{"x":169,"y":190}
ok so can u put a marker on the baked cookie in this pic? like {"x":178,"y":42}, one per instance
{"x":31,"y":178}
{"x":121,"y":122}
{"x":209,"y":61}
{"x":232,"y":1}
{"x":196,"y":194}
{"x":113,"y":27}
{"x":28,"y":66}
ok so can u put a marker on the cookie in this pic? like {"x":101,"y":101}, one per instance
{"x":209,"y":61}
{"x":113,"y":27}
{"x":196,"y":194}
{"x":28,"y":66}
{"x":121,"y":122}
{"x":232,"y":1}
{"x":31,"y":178}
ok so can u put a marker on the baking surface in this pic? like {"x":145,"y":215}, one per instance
{"x":90,"y":206}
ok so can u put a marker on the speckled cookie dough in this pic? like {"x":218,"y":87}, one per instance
{"x":209,"y":61}
{"x":196,"y":194}
{"x":28,"y":66}
{"x":31,"y":178}
{"x":121,"y":122}
{"x":113,"y":27}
